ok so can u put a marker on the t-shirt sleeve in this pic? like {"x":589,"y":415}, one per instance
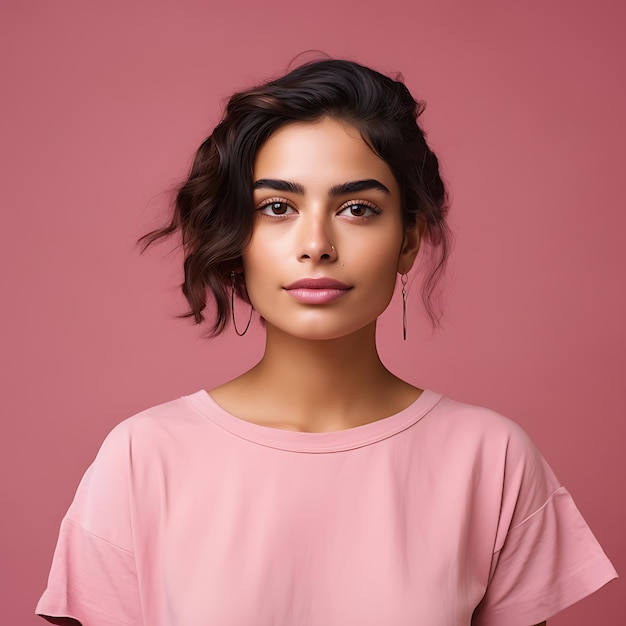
{"x":546,"y":557}
{"x":93,"y":577}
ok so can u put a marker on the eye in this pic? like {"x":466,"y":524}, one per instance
{"x":275,"y":207}
{"x":359,"y":208}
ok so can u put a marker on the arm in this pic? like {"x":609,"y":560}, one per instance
{"x":93,"y":577}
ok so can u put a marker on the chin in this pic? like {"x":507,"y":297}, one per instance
{"x":322,"y":332}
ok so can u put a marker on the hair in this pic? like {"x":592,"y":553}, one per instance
{"x":213,"y":209}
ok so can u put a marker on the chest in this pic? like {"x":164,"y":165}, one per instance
{"x":380,"y":540}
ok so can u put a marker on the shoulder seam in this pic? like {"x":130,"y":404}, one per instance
{"x":81,"y":527}
{"x":534,"y":513}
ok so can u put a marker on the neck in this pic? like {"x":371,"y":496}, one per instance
{"x":326,"y":385}
{"x":340,"y":366}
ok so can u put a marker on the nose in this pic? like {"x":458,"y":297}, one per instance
{"x":316,"y":241}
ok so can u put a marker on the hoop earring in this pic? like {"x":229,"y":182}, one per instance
{"x":232,"y":307}
{"x":404,"y":279}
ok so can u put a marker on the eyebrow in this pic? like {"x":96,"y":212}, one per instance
{"x":357,"y":185}
{"x":336,"y":190}
{"x":279,"y":185}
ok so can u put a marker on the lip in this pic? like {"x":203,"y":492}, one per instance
{"x":318,"y":283}
{"x":317,"y":290}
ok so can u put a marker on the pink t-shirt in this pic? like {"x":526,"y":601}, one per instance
{"x":443,"y":514}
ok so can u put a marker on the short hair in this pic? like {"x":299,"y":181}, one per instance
{"x":213,"y":210}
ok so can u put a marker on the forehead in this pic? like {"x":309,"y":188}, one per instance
{"x":327,"y":151}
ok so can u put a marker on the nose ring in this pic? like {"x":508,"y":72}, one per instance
{"x":332,"y":247}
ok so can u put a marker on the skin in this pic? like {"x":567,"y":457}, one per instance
{"x":321,"y":370}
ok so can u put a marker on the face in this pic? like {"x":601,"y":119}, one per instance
{"x":328,"y":241}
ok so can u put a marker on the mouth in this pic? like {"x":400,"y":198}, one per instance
{"x":317,"y":290}
{"x":318,"y":283}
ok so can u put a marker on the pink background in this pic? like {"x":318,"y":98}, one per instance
{"x":103,"y":104}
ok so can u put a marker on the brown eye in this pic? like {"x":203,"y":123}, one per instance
{"x":360,"y":209}
{"x":275,"y":208}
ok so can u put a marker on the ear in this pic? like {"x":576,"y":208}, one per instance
{"x":410,"y":246}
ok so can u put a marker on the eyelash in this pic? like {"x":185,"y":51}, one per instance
{"x":364,"y":203}
{"x":347,"y":205}
{"x":269,"y":202}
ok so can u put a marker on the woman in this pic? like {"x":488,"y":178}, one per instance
{"x":317,"y":488}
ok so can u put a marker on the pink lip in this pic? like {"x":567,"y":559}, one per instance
{"x":317,"y":290}
{"x":318,"y":283}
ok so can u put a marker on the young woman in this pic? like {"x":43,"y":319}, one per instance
{"x":317,"y":488}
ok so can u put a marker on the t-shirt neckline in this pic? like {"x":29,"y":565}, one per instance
{"x":297,"y":441}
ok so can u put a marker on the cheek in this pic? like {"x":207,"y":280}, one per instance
{"x":383,"y":279}
{"x":260,"y":260}
{"x":379,"y":271}
{"x":380,"y":255}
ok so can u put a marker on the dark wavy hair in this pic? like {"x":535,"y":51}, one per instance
{"x":213,"y":209}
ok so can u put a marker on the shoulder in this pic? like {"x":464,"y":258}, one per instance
{"x":473,"y":415}
{"x":133,"y":455}
{"x":497,"y":451}
{"x":166,"y":420}
{"x":481,"y":427}
{"x":148,"y":437}
{"x":491,"y":431}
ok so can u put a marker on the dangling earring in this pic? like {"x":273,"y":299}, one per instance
{"x":232,"y":307}
{"x":404,"y":279}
